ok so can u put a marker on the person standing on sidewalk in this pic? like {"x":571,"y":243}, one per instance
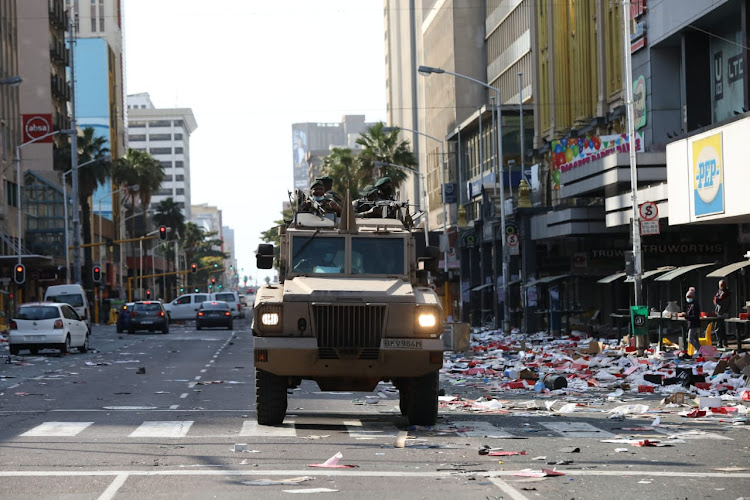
{"x":722,"y":301}
{"x":693,"y":317}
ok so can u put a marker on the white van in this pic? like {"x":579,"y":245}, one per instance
{"x":73,"y":295}
{"x":233,"y":299}
{"x":185,"y":306}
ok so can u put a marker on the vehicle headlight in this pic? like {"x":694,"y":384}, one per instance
{"x":426,"y":319}
{"x":269,"y":319}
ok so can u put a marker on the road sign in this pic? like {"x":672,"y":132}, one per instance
{"x":648,"y":211}
{"x":649,"y":227}
{"x":512,"y":241}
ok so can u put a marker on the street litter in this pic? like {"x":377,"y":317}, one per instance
{"x":333,"y":463}
{"x":96,"y":363}
{"x":538,"y":473}
{"x":311,"y":490}
{"x":502,"y":453}
{"x":540,"y":458}
{"x":271,"y":482}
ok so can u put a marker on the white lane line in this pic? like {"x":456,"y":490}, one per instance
{"x":57,"y":429}
{"x":174,"y":407}
{"x":197,"y":378}
{"x":576,"y":429}
{"x":183,"y":395}
{"x":481,"y":429}
{"x":358,"y":431}
{"x":112,"y":489}
{"x":168,"y":429}
{"x":191,"y":385}
{"x":203,"y":370}
{"x":251,"y":428}
{"x":508,"y":489}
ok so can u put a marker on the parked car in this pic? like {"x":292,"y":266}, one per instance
{"x":123,"y":316}
{"x":214,"y":313}
{"x":185,"y":306}
{"x":47,"y":325}
{"x":233,"y":299}
{"x":73,"y":295}
{"x":243,"y":300}
{"x":148,"y":315}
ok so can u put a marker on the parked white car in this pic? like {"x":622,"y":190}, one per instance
{"x":185,"y":306}
{"x":47,"y":325}
{"x":233,"y":299}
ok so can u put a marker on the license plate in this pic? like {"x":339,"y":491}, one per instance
{"x":402,"y":343}
{"x":147,"y":322}
{"x":35,"y":338}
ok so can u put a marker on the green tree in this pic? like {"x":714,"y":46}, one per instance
{"x":384,"y":147}
{"x":168,"y":213}
{"x":200,"y":248}
{"x":343,"y":167}
{"x":90,"y":149}
{"x":138,"y":168}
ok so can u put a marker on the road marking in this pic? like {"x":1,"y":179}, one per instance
{"x":357,"y":431}
{"x":112,"y":489}
{"x":197,"y":378}
{"x":174,"y":407}
{"x":183,"y":395}
{"x":252,"y":428}
{"x":481,"y":429}
{"x":691,"y":434}
{"x":169,"y":429}
{"x":507,"y":489}
{"x":576,"y":429}
{"x":203,"y":370}
{"x":191,"y":385}
{"x":57,"y":429}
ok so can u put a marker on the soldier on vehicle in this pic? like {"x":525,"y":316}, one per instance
{"x":328,"y":187}
{"x":385,"y":189}
{"x":366,"y":202}
{"x":318,"y":197}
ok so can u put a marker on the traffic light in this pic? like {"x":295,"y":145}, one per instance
{"x":96,"y":273}
{"x":182,"y":289}
{"x":148,"y":294}
{"x":213,"y":281}
{"x":162,"y":232}
{"x":216,"y":265}
{"x":193,"y":268}
{"x":19,"y":274}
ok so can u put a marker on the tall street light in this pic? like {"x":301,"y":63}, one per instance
{"x":19,"y":180}
{"x":424,"y":193}
{"x":442,"y":172}
{"x":428,"y":70}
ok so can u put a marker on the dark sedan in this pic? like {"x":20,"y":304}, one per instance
{"x":214,"y":313}
{"x":123,"y":316}
{"x":148,"y":315}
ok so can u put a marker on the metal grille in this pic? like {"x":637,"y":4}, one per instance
{"x":348,"y":329}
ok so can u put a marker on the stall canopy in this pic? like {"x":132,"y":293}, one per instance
{"x":676,"y":273}
{"x":611,"y":278}
{"x":546,"y":279}
{"x":725,"y":271}
{"x":481,"y":287}
{"x":648,"y":274}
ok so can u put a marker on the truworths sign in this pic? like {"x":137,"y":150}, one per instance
{"x":707,"y":175}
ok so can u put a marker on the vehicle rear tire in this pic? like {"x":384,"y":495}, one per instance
{"x":34,"y":351}
{"x":423,"y":400}
{"x":270,"y":398}
{"x":403,"y":398}
{"x":14,"y":350}
{"x":119,"y":329}
{"x":229,"y":326}
{"x":198,"y":326}
{"x":131,"y":331}
{"x":65,"y":346}
{"x":85,"y":347}
{"x":165,"y":330}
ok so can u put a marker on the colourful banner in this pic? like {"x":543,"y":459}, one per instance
{"x":708,"y":176}
{"x":568,"y":154}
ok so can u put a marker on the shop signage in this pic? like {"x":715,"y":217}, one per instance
{"x":662,"y":248}
{"x":708,"y":176}
{"x":469,"y":239}
{"x":451,"y":193}
{"x":639,"y":102}
{"x":638,"y":36}
{"x":37,"y":125}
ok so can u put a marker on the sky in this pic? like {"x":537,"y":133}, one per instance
{"x":249,"y":69}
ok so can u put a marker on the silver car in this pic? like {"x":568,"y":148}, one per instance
{"x":47,"y":325}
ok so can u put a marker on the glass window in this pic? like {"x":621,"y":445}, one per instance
{"x":160,"y":151}
{"x":178,"y":151}
{"x":178,"y":137}
{"x":179,"y":178}
{"x":134,"y":124}
{"x":201,"y":298}
{"x":160,"y":123}
{"x":160,"y":137}
{"x":185,"y":299}
{"x":180,"y":191}
{"x":75,"y":300}
{"x":316,"y":254}
{"x":179,"y":164}
{"x":378,"y":256}
{"x":37,"y":313}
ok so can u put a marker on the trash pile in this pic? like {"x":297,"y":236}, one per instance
{"x":497,"y":366}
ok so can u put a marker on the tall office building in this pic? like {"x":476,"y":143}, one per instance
{"x":164,"y":133}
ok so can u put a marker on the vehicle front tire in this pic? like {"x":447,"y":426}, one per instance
{"x":270,"y":398}
{"x":423,"y":400}
{"x":85,"y":347}
{"x":14,"y":350}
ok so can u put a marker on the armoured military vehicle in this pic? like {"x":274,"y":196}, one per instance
{"x":353,"y":307}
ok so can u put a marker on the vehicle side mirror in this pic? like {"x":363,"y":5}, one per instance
{"x":430,"y":260}
{"x":264,"y":256}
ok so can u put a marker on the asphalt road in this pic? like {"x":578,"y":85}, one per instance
{"x":171,"y":416}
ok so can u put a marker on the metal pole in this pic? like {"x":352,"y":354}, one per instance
{"x":520,"y":112}
{"x":140,"y":270}
{"x":100,"y":231}
{"x":481,"y":151}
{"x":628,"y":70}
{"x":65,"y":213}
{"x":19,"y":232}
{"x":506,"y":308}
{"x":524,"y":291}
{"x":494,"y":149}
{"x":74,"y":155}
{"x":445,"y":215}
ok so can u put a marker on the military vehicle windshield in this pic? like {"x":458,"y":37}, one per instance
{"x":319,"y":255}
{"x":378,"y":256}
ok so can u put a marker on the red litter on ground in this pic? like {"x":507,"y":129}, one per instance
{"x":645,"y":388}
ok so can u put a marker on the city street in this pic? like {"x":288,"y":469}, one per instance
{"x":171,"y":416}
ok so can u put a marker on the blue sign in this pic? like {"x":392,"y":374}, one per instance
{"x":451,"y":193}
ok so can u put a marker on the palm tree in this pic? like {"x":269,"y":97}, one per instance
{"x":200,"y":249}
{"x":169,"y":214}
{"x":90,"y":149}
{"x":342,"y":166}
{"x":387,"y":148}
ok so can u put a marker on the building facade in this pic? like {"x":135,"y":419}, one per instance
{"x":164,"y":133}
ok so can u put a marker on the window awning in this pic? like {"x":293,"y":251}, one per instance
{"x":611,"y":278}
{"x":546,"y":279}
{"x":727,"y":270}
{"x":676,"y":273}
{"x":650,"y":273}
{"x":481,"y":287}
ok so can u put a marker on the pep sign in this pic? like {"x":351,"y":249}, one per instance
{"x":708,"y":176}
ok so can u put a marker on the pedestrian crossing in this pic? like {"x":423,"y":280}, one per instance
{"x":383,"y":430}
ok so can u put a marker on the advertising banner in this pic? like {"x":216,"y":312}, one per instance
{"x":708,"y":176}
{"x":37,"y":125}
{"x":299,"y":144}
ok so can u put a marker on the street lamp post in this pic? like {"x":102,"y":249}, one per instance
{"x":442,"y":172}
{"x":19,"y":180}
{"x":427,"y":70}
{"x":424,"y":193}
